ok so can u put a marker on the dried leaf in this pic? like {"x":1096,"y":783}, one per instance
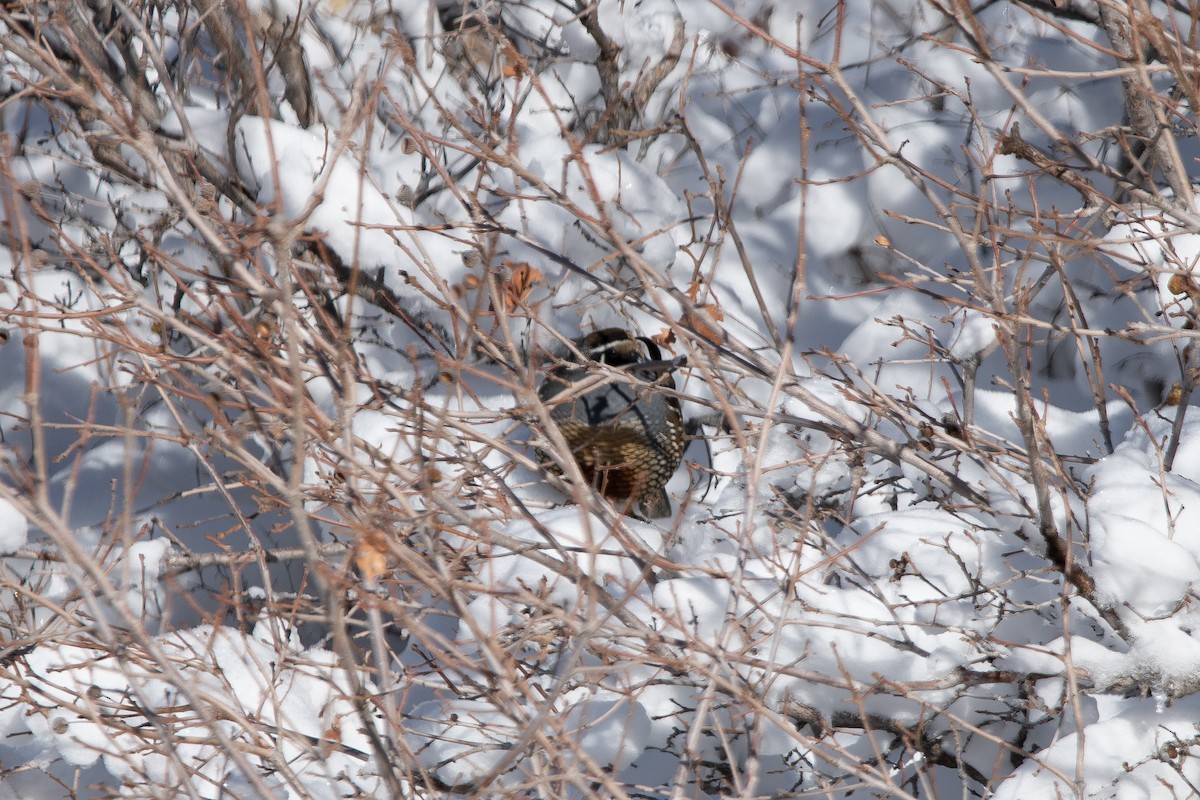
{"x":706,"y":321}
{"x":664,"y":338}
{"x":370,"y":558}
{"x":1182,"y":284}
{"x":522,"y":278}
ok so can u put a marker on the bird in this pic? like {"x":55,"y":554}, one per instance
{"x":625,"y":432}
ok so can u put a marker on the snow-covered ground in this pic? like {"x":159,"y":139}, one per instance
{"x":259,"y":359}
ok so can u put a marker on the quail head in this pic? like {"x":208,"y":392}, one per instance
{"x":625,"y":434}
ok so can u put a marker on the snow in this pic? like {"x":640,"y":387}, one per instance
{"x":1110,"y":767}
{"x":78,"y":688}
{"x":14,"y":528}
{"x":927,"y":617}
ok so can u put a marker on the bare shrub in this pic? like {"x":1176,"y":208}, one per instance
{"x":281,"y":283}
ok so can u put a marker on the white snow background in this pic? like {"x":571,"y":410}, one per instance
{"x":947,"y":539}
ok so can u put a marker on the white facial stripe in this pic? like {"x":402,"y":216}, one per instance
{"x":621,"y":343}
